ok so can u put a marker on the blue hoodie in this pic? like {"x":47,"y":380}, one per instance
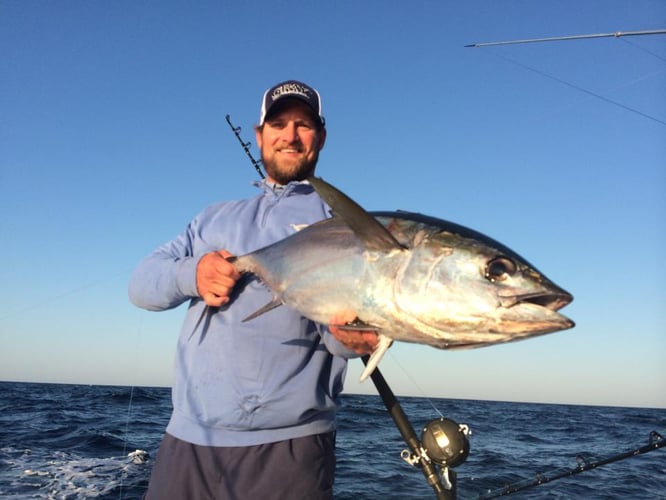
{"x":275,"y":377}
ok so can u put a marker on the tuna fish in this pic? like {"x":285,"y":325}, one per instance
{"x":410,"y":277}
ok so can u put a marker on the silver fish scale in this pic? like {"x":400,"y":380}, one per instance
{"x":432,"y":292}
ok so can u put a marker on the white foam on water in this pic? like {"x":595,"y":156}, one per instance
{"x":65,"y":475}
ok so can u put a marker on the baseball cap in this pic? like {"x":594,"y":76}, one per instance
{"x":293,"y":89}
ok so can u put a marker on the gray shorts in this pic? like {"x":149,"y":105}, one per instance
{"x":302,"y":468}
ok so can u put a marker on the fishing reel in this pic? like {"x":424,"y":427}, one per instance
{"x":443,"y":442}
{"x":446,"y":442}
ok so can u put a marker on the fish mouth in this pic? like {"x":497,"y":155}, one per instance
{"x":536,"y":312}
{"x":550,"y":300}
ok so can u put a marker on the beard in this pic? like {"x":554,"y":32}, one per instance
{"x":284,"y":172}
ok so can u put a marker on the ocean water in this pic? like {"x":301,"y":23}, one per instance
{"x":76,"y":441}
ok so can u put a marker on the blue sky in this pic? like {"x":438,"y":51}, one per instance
{"x":112,"y":137}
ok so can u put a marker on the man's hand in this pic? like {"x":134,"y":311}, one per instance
{"x":359,"y":341}
{"x":216,"y":277}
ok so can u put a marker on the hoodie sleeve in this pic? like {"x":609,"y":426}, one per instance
{"x":167,"y":277}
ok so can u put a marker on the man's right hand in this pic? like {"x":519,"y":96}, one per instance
{"x":216,"y":277}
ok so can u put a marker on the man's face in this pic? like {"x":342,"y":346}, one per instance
{"x":290,"y":143}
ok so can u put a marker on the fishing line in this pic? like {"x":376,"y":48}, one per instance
{"x":580,"y":89}
{"x":127,"y":421}
{"x":415,"y":384}
{"x":130,"y":403}
{"x":62,"y":295}
{"x":639,"y":47}
{"x":579,"y":99}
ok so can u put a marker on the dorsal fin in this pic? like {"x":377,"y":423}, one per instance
{"x":373,"y":235}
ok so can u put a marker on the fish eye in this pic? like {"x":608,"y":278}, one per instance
{"x":499,"y":269}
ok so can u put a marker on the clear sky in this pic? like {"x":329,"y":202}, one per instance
{"x":113,"y":136}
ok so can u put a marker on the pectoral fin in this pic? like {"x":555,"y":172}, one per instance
{"x":358,"y":326}
{"x":383,"y":343}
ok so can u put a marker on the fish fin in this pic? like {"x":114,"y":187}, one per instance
{"x":383,"y":343}
{"x":358,"y":326}
{"x":204,"y":313}
{"x":271,"y":305}
{"x":368,"y":229}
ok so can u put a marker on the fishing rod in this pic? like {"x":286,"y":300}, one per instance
{"x":246,"y":147}
{"x":616,"y":34}
{"x":443,"y":443}
{"x":655,"y":441}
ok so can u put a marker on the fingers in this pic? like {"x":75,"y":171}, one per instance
{"x":216,"y":278}
{"x":224,"y":254}
{"x":359,"y":341}
{"x":215,"y":300}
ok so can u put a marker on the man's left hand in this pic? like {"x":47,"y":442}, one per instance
{"x":359,"y":341}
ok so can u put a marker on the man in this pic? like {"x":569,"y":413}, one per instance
{"x":253,"y":403}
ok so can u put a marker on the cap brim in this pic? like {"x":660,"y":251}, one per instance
{"x":283,"y":102}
